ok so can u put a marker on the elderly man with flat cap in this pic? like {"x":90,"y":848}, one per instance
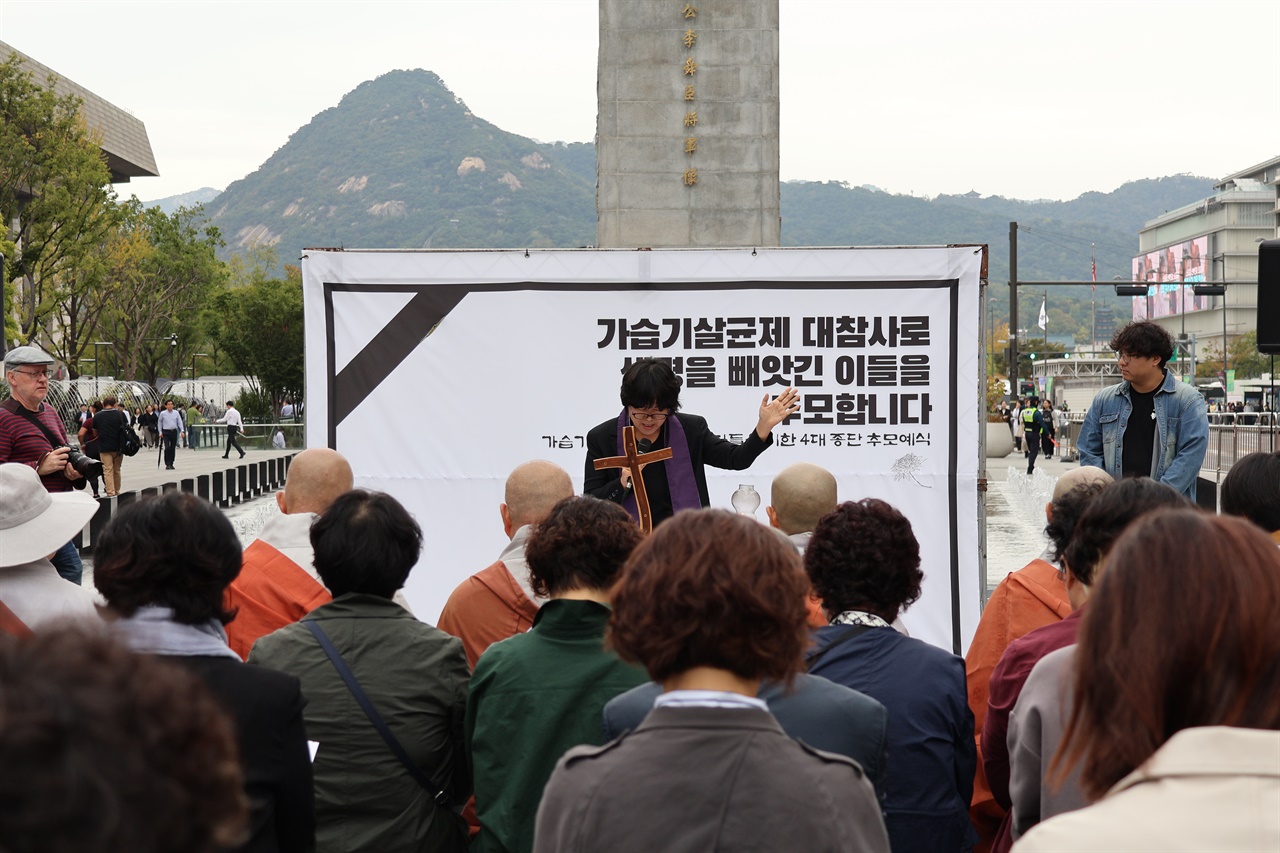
{"x":32,"y":434}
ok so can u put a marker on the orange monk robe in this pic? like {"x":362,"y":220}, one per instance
{"x":1029,"y":598}
{"x":270,"y":592}
{"x":487,"y":607}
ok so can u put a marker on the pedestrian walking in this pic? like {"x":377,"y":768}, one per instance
{"x":233,"y":421}
{"x":170,"y":424}
{"x":194,"y":417}
{"x":1048,"y":439}
{"x":1033,"y":429}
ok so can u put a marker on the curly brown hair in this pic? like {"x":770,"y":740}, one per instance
{"x":581,"y":544}
{"x":864,"y":556}
{"x":103,"y":749}
{"x":710,"y":588}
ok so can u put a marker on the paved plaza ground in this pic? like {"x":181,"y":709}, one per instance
{"x":142,"y":472}
{"x":1015,"y":512}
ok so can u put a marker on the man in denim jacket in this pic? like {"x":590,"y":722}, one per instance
{"x":1150,"y":424}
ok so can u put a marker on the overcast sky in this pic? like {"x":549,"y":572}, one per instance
{"x":1023,"y":98}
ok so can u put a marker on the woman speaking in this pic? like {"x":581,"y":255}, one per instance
{"x":651,"y":403}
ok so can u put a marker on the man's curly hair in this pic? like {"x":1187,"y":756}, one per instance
{"x":1144,"y":339}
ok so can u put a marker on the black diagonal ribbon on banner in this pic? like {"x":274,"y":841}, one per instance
{"x":391,"y":346}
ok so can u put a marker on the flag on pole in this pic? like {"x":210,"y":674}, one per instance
{"x":1044,"y":316}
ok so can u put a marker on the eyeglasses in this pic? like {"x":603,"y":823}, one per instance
{"x":649,"y":417}
{"x":43,"y":374}
{"x":1125,"y":357}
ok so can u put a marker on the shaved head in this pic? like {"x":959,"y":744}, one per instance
{"x":316,"y":478}
{"x":533,"y":488}
{"x":1082,"y":476}
{"x":800,"y":496}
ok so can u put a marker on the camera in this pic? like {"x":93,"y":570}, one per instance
{"x":86,"y":466}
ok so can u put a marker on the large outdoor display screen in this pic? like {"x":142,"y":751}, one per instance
{"x":1171,"y":272}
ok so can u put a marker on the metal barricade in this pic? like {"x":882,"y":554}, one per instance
{"x":212,"y":436}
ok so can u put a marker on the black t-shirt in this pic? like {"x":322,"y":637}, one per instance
{"x":1140,"y":435}
{"x":109,"y":423}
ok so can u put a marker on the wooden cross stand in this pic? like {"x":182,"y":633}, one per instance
{"x":632,"y":462}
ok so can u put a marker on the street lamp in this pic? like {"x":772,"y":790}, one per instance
{"x":1182,"y":292}
{"x":97,"y":363}
{"x":95,"y":373}
{"x":194,"y":355}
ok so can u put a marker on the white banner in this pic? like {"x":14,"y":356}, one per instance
{"x":524,"y":355}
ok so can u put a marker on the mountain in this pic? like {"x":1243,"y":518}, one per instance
{"x":401,"y":162}
{"x":169,"y":204}
{"x":1055,"y":240}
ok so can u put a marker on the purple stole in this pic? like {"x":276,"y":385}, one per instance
{"x":681,"y":483}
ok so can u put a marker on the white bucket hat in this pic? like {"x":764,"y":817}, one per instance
{"x":34,"y":523}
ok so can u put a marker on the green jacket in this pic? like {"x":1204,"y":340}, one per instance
{"x":534,"y":696}
{"x":416,"y":676}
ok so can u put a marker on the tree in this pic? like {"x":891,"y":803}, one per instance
{"x":998,"y":349}
{"x":261,"y":331}
{"x":1242,"y":357}
{"x":55,"y":183}
{"x":7,"y":315}
{"x":167,"y":272}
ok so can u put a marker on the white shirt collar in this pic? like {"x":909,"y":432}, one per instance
{"x":708,"y":699}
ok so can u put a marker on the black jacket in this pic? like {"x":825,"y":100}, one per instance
{"x":266,"y":707}
{"x":705,"y":448}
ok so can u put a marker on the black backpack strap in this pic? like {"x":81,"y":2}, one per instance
{"x":847,"y":635}
{"x":438,"y":793}
{"x":23,"y":412}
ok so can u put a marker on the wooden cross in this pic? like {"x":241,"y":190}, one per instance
{"x":632,"y":462}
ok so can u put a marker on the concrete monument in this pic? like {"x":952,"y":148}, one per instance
{"x":687,"y":124}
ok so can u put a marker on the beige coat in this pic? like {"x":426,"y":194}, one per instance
{"x":1211,"y":788}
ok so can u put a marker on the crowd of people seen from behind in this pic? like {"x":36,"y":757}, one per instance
{"x":716,"y":684}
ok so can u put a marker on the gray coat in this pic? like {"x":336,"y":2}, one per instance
{"x":823,"y":714}
{"x":1036,"y":727}
{"x":697,"y":779}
